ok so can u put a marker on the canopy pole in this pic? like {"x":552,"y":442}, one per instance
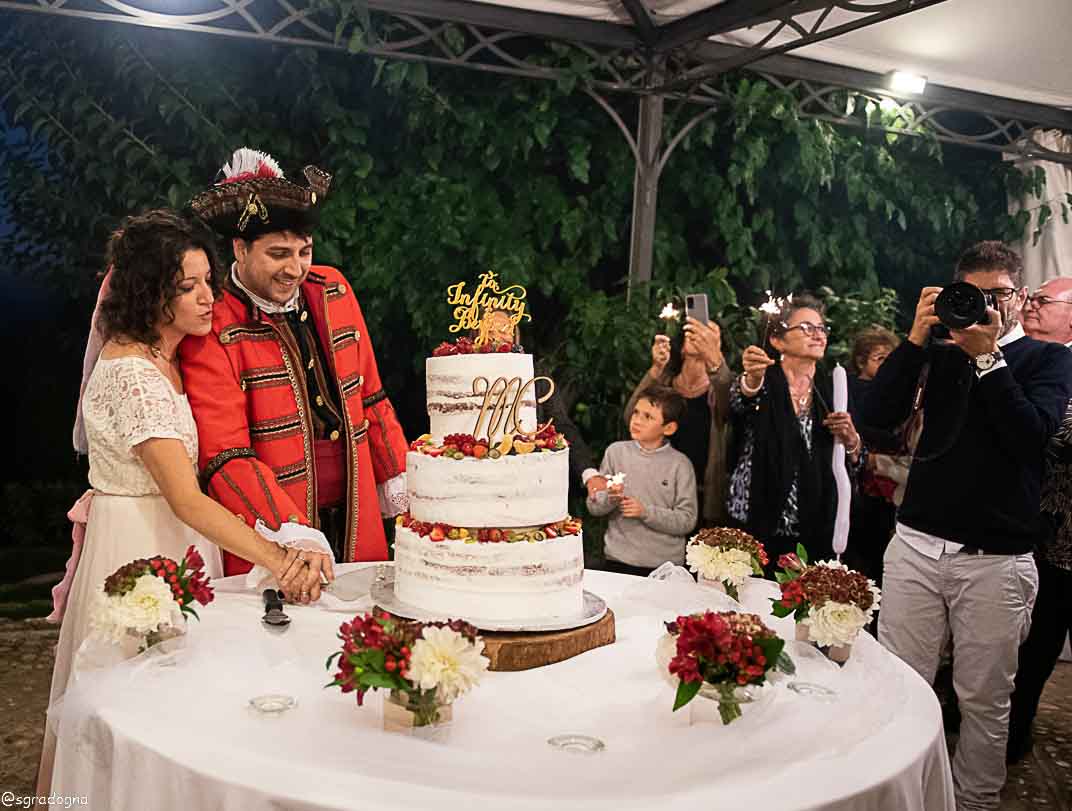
{"x":645,"y":190}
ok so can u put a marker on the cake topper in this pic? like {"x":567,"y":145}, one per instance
{"x":492,"y":311}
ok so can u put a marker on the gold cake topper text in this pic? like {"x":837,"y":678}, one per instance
{"x":492,"y":311}
{"x":500,"y":413}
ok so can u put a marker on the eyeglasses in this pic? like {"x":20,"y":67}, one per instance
{"x":807,"y":328}
{"x":1044,"y":301}
{"x":1002,"y":294}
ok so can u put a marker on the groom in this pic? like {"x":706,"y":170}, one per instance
{"x":294,"y":426}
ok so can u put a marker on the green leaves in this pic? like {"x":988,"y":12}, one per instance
{"x":686,"y":692}
{"x":442,"y":173}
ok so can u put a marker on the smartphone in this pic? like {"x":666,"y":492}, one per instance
{"x":696,"y":307}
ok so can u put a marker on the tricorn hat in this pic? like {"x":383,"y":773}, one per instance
{"x":254,"y":198}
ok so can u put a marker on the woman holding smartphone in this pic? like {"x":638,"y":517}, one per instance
{"x":698,"y":372}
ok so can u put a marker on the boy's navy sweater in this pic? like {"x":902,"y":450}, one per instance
{"x":977,"y":474}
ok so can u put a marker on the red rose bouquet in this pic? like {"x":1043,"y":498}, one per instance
{"x":724,"y":651}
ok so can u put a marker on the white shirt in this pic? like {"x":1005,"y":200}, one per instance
{"x":263,"y":304}
{"x":931,"y":545}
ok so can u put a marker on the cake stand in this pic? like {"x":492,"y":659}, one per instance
{"x":520,"y":643}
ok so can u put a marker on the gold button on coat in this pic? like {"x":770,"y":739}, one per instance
{"x":319,"y":400}
{"x":334,"y":435}
{"x":342,"y":289}
{"x":304,"y":315}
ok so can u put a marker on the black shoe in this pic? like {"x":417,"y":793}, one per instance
{"x":1019,"y":747}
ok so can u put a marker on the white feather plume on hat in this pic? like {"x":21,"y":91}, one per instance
{"x":246,"y":163}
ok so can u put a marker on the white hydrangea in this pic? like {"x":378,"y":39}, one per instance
{"x":732,"y":566}
{"x":445,"y":660}
{"x":835,"y":623}
{"x":146,"y":607}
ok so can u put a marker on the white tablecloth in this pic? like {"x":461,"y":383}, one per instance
{"x":177,"y":733}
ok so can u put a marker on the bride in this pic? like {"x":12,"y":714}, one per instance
{"x":142,"y":440}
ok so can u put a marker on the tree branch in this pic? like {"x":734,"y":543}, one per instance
{"x":174,"y":90}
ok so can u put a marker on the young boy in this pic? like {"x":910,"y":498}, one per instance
{"x":654,"y":508}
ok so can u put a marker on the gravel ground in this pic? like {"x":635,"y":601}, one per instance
{"x":1042,"y":781}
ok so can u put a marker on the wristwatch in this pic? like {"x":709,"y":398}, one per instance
{"x":988,"y":360}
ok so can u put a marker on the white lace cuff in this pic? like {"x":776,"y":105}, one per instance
{"x":288,"y":534}
{"x":393,"y":496}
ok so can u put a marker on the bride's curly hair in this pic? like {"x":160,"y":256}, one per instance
{"x":145,"y":258}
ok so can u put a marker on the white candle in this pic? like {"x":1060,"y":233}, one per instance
{"x":841,"y":475}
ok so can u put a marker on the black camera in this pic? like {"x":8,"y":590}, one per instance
{"x":960,"y":305}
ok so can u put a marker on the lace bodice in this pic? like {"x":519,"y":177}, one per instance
{"x":127,"y":401}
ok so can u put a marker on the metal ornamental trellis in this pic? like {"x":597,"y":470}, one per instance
{"x":638,"y":48}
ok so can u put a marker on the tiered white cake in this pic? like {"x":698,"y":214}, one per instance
{"x":487,"y":538}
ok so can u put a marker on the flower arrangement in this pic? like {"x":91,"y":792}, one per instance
{"x":724,"y":650}
{"x":151,"y":598}
{"x":830,"y":600}
{"x":428,"y":663}
{"x":461,"y":446}
{"x":727,"y":556}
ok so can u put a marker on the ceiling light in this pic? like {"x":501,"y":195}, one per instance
{"x":900,"y":81}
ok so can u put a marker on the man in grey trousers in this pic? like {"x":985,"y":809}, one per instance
{"x":960,"y":563}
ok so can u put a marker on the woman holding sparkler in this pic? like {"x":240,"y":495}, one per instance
{"x":782,"y":487}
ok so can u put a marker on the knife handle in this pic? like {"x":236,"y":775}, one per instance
{"x":273,"y":599}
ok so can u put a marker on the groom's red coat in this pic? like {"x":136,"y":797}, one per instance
{"x":248,"y":392}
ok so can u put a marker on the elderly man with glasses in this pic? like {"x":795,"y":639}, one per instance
{"x":1047,"y":317}
{"x":960,"y":565}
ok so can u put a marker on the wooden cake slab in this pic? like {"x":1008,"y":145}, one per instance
{"x":525,"y":650}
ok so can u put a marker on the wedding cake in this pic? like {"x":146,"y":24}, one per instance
{"x":488,"y":534}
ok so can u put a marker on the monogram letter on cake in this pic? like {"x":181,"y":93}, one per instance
{"x":506,"y":414}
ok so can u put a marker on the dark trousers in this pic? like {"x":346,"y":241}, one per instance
{"x":1051,"y":622}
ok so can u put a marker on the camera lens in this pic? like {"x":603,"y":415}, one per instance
{"x":960,"y":305}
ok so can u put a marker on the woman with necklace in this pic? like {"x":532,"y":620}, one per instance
{"x":698,"y":372}
{"x":782,"y":487}
{"x":135,"y":424}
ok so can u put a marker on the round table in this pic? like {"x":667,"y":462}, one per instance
{"x":177,"y":731}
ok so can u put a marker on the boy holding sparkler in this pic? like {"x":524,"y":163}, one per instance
{"x":651,"y":492}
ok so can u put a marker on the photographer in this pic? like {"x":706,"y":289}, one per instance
{"x":960,"y":563}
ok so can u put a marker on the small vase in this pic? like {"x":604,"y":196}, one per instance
{"x":165,"y":639}
{"x":721,"y":703}
{"x":835,"y":653}
{"x":731,"y":591}
{"x":418,"y":713}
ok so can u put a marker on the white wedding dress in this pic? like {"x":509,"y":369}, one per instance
{"x":127,"y":401}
